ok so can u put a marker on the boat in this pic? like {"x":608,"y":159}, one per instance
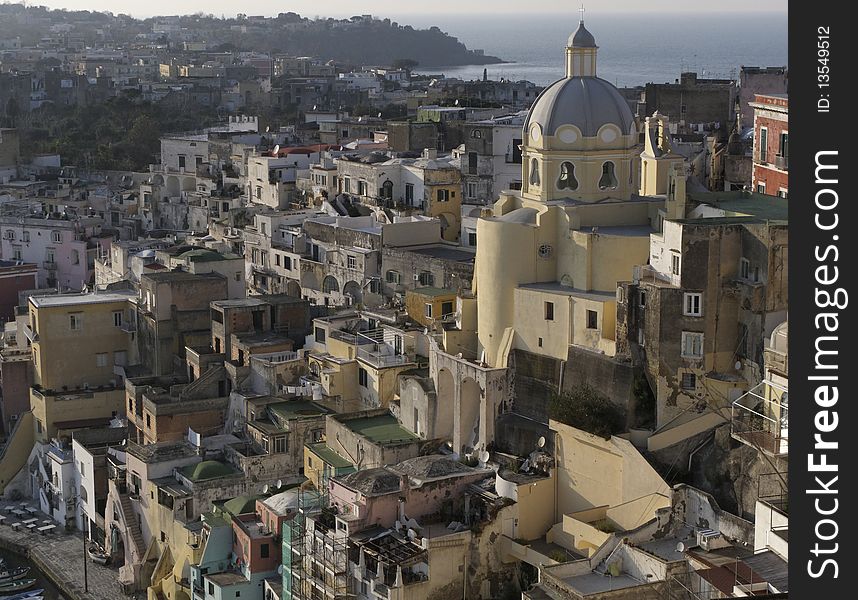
{"x":14,"y":575}
{"x":97,"y":554}
{"x":31,"y":595}
{"x":17,"y":586}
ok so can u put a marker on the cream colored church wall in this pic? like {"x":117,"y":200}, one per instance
{"x":531,"y":326}
{"x":614,"y":258}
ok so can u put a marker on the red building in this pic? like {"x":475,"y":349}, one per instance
{"x":771,"y":144}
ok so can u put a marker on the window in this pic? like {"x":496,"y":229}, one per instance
{"x":387,"y":190}
{"x":692,"y":345}
{"x":280,"y":445}
{"x":745,"y":268}
{"x":592,"y":319}
{"x":211,"y":589}
{"x":783,"y":146}
{"x":117,"y":318}
{"x":347,"y":185}
{"x":363,"y":377}
{"x":393,"y":277}
{"x":148,"y":421}
{"x":264,"y":552}
{"x":425,"y":278}
{"x":472,"y":190}
{"x":444,"y":195}
{"x":409,"y":193}
{"x":238,"y":275}
{"x":472,"y":238}
{"x":181,"y":161}
{"x":567,"y":180}
{"x":608,"y":180}
{"x":472,"y":162}
{"x":761,"y":187}
{"x":258,"y":192}
{"x":427,"y":311}
{"x":743,"y":348}
{"x":764,"y":142}
{"x":549,"y":311}
{"x":16,"y":253}
{"x":675,"y":263}
{"x":25,"y":236}
{"x":320,"y":335}
{"x":362,"y":188}
{"x":10,"y":234}
{"x":75,"y":322}
{"x":782,"y":193}
{"x":689,"y":381}
{"x":49,"y":255}
{"x":75,"y":257}
{"x":351,"y":262}
{"x":56,"y":236}
{"x":534,"y":172}
{"x":692,"y":305}
{"x":446,"y":308}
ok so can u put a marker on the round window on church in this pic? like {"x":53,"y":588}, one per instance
{"x":545,"y":251}
{"x":567,"y":135}
{"x":535,"y":133}
{"x":608,"y":135}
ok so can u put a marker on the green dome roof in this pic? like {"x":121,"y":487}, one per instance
{"x":207,"y":469}
{"x":241,"y":505}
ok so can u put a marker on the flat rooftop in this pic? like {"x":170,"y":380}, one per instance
{"x":55,"y":300}
{"x":383,"y":429}
{"x":297,"y":409}
{"x":444,"y":253}
{"x":740,"y":204}
{"x":327,"y":454}
{"x":594,"y":583}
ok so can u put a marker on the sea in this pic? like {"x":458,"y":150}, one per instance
{"x":633,"y":49}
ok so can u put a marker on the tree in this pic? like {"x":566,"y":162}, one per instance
{"x":585,"y":408}
{"x":404,"y":63}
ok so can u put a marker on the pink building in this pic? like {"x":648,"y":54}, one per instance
{"x":63,"y":250}
{"x":254,"y":545}
{"x":416,"y":488}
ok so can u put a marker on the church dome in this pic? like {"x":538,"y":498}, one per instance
{"x":588,"y":103}
{"x":581,"y":38}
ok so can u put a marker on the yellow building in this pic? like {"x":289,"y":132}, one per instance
{"x":550,"y":256}
{"x":77,"y":340}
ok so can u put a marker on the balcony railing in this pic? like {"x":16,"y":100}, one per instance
{"x":782,"y":162}
{"x":760,"y":419}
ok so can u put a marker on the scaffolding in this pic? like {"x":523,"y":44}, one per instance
{"x":315,"y":557}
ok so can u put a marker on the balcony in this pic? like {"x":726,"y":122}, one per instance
{"x":50,"y":265}
{"x":782,"y":162}
{"x":760,"y":419}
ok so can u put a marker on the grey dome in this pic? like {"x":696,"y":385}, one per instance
{"x":585,"y":102}
{"x":582,"y":38}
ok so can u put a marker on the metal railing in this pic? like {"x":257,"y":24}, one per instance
{"x":760,"y":418}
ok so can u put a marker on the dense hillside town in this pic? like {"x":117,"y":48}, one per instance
{"x":290,"y":321}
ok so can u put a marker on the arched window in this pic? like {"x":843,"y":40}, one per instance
{"x":387,"y":190}
{"x":608,"y":181}
{"x":329,"y":285}
{"x":567,"y":180}
{"x":534,"y":172}
{"x":477,"y":134}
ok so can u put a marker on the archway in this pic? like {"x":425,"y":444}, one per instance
{"x":330,"y":285}
{"x":352,"y":290}
{"x":293,"y":288}
{"x":469,"y":413}
{"x":445,"y":405}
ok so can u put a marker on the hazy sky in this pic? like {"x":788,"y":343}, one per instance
{"x":395,"y":8}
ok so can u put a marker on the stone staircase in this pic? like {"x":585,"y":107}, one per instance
{"x":131,"y":524}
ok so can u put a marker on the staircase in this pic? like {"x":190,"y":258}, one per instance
{"x":131,"y":524}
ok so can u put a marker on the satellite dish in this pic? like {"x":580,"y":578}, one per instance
{"x":314,"y":107}
{"x":379,"y":115}
{"x":267,"y":128}
{"x":279,"y":483}
{"x":540,"y":443}
{"x":265,"y":489}
{"x":276,"y":149}
{"x":680,"y":547}
{"x":484,"y":456}
{"x":738,"y":365}
{"x":457,"y":102}
{"x":279,"y":569}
